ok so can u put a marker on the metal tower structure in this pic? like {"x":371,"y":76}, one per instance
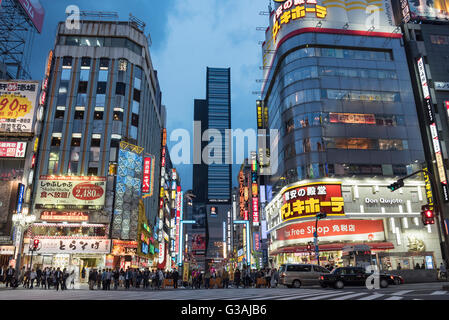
{"x":16,"y":39}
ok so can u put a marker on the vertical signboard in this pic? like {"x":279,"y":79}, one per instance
{"x":433,"y":128}
{"x":148,"y":175}
{"x":20,"y":193}
{"x":255,"y":211}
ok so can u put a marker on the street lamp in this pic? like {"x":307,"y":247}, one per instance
{"x":21,"y":222}
{"x":319,"y":216}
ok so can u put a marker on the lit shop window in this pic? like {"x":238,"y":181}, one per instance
{"x":53,"y":162}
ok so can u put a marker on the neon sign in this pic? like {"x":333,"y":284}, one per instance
{"x":284,"y":15}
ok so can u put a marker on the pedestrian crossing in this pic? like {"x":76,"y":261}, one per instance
{"x":221,"y":294}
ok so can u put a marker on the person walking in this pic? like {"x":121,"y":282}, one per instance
{"x":116,"y":277}
{"x":128,"y":277}
{"x":175,"y":279}
{"x":38,"y":276}
{"x":90,"y":279}
{"x":443,"y":271}
{"x":99,"y":279}
{"x":225,"y":277}
{"x":103,"y":279}
{"x":58,"y":278}
{"x":237,"y":278}
{"x":9,"y":276}
{"x":274,"y":278}
{"x":121,"y":278}
{"x":160,"y":279}
{"x":206,"y":279}
{"x":33,"y":276}
{"x":65,"y":275}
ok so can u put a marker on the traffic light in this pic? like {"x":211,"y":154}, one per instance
{"x":35,"y":244}
{"x":427,"y":215}
{"x":396,"y":185}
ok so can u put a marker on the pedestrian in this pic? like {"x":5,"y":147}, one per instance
{"x":72,"y":279}
{"x":175,"y":279}
{"x":423,"y":266}
{"x":121,"y":278}
{"x":417,"y":266}
{"x":22,"y":275}
{"x":206,"y":279}
{"x":274,"y":278}
{"x":83,"y":273}
{"x":268,"y":278}
{"x":103,"y":279}
{"x":9,"y":275}
{"x":443,"y":271}
{"x":225,"y":277}
{"x":99,"y":279}
{"x":65,"y":275}
{"x":33,"y":276}
{"x":128,"y":276}
{"x":38,"y":276}
{"x":57,"y":278}
{"x":26,"y":279}
{"x":237,"y":278}
{"x":399,"y":266}
{"x":160,"y":278}
{"x":116,"y":277}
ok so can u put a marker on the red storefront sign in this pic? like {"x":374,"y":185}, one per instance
{"x":12,"y":149}
{"x":256,"y":210}
{"x":309,"y":199}
{"x":64,"y":216}
{"x":346,"y":229}
{"x":148,"y":174}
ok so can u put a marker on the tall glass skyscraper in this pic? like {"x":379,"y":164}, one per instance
{"x":219,"y":118}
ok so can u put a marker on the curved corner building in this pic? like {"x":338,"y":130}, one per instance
{"x":337,"y":87}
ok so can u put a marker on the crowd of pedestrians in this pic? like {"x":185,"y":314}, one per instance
{"x":247,"y":278}
{"x":104,"y":279}
{"x":31,"y":278}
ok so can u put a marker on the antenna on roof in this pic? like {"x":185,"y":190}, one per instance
{"x":136,"y":22}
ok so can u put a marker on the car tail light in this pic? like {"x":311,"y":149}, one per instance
{"x":321,"y":278}
{"x":392,"y":278}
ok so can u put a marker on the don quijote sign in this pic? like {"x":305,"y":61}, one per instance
{"x":70,"y":192}
{"x":383,"y":201}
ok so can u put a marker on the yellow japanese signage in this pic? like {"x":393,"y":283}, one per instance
{"x":310,"y":199}
{"x":293,"y":10}
{"x":428,"y":187}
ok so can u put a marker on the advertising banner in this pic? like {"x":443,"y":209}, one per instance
{"x":73,"y":246}
{"x":255,"y":211}
{"x":148,"y":175}
{"x":309,"y":199}
{"x":70,"y":192}
{"x":35,"y":12}
{"x":124,"y":248}
{"x":333,"y":230}
{"x":17,"y":105}
{"x":198,"y":242}
{"x":12,"y":149}
{"x":64,"y":216}
{"x":186,"y":272}
{"x":428,"y":10}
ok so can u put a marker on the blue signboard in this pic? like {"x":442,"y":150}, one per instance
{"x":20,"y":194}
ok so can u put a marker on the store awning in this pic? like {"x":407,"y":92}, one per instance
{"x":333,"y":247}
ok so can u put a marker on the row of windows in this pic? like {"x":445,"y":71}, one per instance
{"x":321,"y":144}
{"x":339,"y":53}
{"x":81,"y":41}
{"x":319,"y":170}
{"x":315,"y":119}
{"x":315,"y":71}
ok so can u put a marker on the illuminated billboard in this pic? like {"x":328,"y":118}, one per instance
{"x":17,"y":105}
{"x":428,"y":9}
{"x":128,"y":191}
{"x":34,"y":11}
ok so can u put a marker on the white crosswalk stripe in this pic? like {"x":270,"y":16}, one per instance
{"x":438,"y":293}
{"x":395,"y":298}
{"x":327,"y":296}
{"x":372,"y":297}
{"x":350,"y":296}
{"x":400,"y":293}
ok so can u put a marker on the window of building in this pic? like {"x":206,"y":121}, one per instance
{"x":98,"y":115}
{"x":118,"y":115}
{"x":82,"y":87}
{"x":135,"y":120}
{"x":53,"y":161}
{"x":67,"y":62}
{"x":123,"y":65}
{"x":120,"y":88}
{"x":115,"y":143}
{"x":96,"y":142}
{"x":92,"y":171}
{"x":101,"y":87}
{"x":59,"y":113}
{"x":136,"y":96}
{"x":137,"y":83}
{"x":85,"y":62}
{"x":56,"y":141}
{"x":79,"y":114}
{"x":104,"y":63}
{"x":84,"y":75}
{"x":290,"y":126}
{"x":76,"y":142}
{"x":94,"y":154}
{"x":136,"y":107}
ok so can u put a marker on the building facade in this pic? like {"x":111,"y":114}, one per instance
{"x":426,"y":35}
{"x":102,"y":121}
{"x":338,"y":91}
